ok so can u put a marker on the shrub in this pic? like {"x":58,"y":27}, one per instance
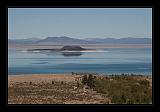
{"x":84,"y":79}
{"x":30,"y":83}
{"x":89,"y":81}
{"x":125,"y":91}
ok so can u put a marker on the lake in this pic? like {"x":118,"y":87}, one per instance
{"x":104,"y":60}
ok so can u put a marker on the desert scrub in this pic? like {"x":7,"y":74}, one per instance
{"x":122,"y":89}
{"x":89,"y":80}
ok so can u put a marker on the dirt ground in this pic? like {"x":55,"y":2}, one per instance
{"x":51,"y":89}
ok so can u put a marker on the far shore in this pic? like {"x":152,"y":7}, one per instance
{"x":94,"y":46}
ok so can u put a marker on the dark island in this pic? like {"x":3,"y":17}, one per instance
{"x":72,"y":48}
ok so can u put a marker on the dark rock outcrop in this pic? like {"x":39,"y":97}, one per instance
{"x":72,"y":48}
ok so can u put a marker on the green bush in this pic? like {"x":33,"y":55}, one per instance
{"x":123,"y":89}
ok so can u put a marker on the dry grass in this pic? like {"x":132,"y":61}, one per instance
{"x":50,"y":89}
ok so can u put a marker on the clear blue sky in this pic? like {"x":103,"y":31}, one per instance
{"x":79,"y":22}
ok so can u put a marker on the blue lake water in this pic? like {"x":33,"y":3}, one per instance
{"x":106,"y":61}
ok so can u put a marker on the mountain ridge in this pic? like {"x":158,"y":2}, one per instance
{"x":70,"y":41}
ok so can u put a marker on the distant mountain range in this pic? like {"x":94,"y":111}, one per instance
{"x":72,"y":41}
{"x":24,"y":41}
{"x":128,"y":40}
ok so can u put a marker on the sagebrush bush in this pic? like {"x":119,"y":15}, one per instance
{"x":123,"y":89}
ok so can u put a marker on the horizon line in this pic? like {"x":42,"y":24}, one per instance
{"x":81,"y":38}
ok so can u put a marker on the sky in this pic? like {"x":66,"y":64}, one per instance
{"x":79,"y":22}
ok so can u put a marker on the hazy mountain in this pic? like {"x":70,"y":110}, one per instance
{"x":62,"y":41}
{"x":128,"y":40}
{"x":69,"y":41}
{"x":23,"y":41}
{"x":101,"y":40}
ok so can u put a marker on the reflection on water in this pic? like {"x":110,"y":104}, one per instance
{"x":71,"y":53}
{"x":66,"y":54}
{"x":40,"y":63}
